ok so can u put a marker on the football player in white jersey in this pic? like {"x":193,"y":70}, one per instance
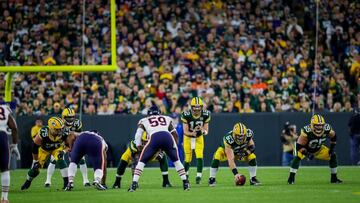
{"x":6,"y":121}
{"x":162,"y":136}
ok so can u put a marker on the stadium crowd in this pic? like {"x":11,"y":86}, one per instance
{"x":239,"y":56}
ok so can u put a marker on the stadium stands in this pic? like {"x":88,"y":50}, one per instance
{"x":249,"y":56}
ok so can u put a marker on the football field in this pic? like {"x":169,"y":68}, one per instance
{"x":312,"y":185}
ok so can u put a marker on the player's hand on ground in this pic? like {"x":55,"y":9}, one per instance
{"x":237,"y":177}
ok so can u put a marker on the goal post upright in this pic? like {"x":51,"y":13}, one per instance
{"x":66,"y":68}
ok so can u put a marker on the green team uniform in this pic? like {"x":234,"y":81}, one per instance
{"x":192,"y":122}
{"x":315,"y":148}
{"x":241,"y":153}
{"x":188,"y":119}
{"x":237,"y":148}
{"x":315,"y":142}
{"x":76,"y":126}
{"x":49,"y":144}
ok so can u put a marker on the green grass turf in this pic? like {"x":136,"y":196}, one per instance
{"x":312,"y":185}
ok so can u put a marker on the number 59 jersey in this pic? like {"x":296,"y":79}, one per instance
{"x":156,"y":123}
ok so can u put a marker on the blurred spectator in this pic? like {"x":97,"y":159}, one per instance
{"x":354,"y":128}
{"x":239,"y":56}
{"x":288,"y":139}
{"x":35,"y":129}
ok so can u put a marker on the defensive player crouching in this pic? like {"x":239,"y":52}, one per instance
{"x":237,"y":144}
{"x":94,"y":146}
{"x":131,"y":156}
{"x":311,"y":144}
{"x":162,"y":136}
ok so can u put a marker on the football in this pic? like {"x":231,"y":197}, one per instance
{"x":240,"y":181}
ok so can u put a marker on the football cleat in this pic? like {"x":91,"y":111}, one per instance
{"x":186,"y":185}
{"x":69,"y":186}
{"x":26,"y":185}
{"x":98,"y":186}
{"x":198,"y":180}
{"x":87,"y":184}
{"x":335,"y":179}
{"x":212,"y":182}
{"x":4,"y":201}
{"x":291,"y":179}
{"x":133,"y":187}
{"x":66,"y":182}
{"x":166,"y":184}
{"x":116,"y":186}
{"x":254,"y":181}
{"x":117,"y":183}
{"x":47,"y":185}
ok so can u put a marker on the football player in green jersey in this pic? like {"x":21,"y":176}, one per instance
{"x":311,"y":144}
{"x":51,"y":141}
{"x":74,"y":125}
{"x":196,"y":125}
{"x":237,"y":144}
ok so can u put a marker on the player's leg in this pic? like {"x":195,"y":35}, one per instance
{"x":60,"y":160}
{"x":164,"y":167}
{"x":5,"y":185}
{"x":4,"y":166}
{"x":251,"y":158}
{"x":294,"y":166}
{"x":77,"y":152}
{"x":98,"y":154}
{"x":147,"y":153}
{"x":323,"y":154}
{"x":215,"y":163}
{"x":75,"y":156}
{"x":188,"y":153}
{"x":124,"y":162}
{"x":84,"y":173}
{"x":34,"y":153}
{"x":170,"y":148}
{"x":50,"y":171}
{"x":35,"y":168}
{"x":199,"y":153}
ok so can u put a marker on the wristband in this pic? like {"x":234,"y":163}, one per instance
{"x":234,"y":171}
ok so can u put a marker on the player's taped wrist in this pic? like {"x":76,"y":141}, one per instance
{"x":234,"y":171}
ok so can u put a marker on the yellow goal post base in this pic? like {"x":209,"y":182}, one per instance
{"x":66,"y":68}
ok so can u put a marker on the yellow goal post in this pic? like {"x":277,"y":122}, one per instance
{"x":66,"y":68}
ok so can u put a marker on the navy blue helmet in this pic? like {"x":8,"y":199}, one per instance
{"x":154,"y":110}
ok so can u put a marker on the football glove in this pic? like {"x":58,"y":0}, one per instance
{"x":310,"y":156}
{"x":160,"y":155}
{"x":14,"y":149}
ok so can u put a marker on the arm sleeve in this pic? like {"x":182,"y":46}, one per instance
{"x":138,"y":135}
